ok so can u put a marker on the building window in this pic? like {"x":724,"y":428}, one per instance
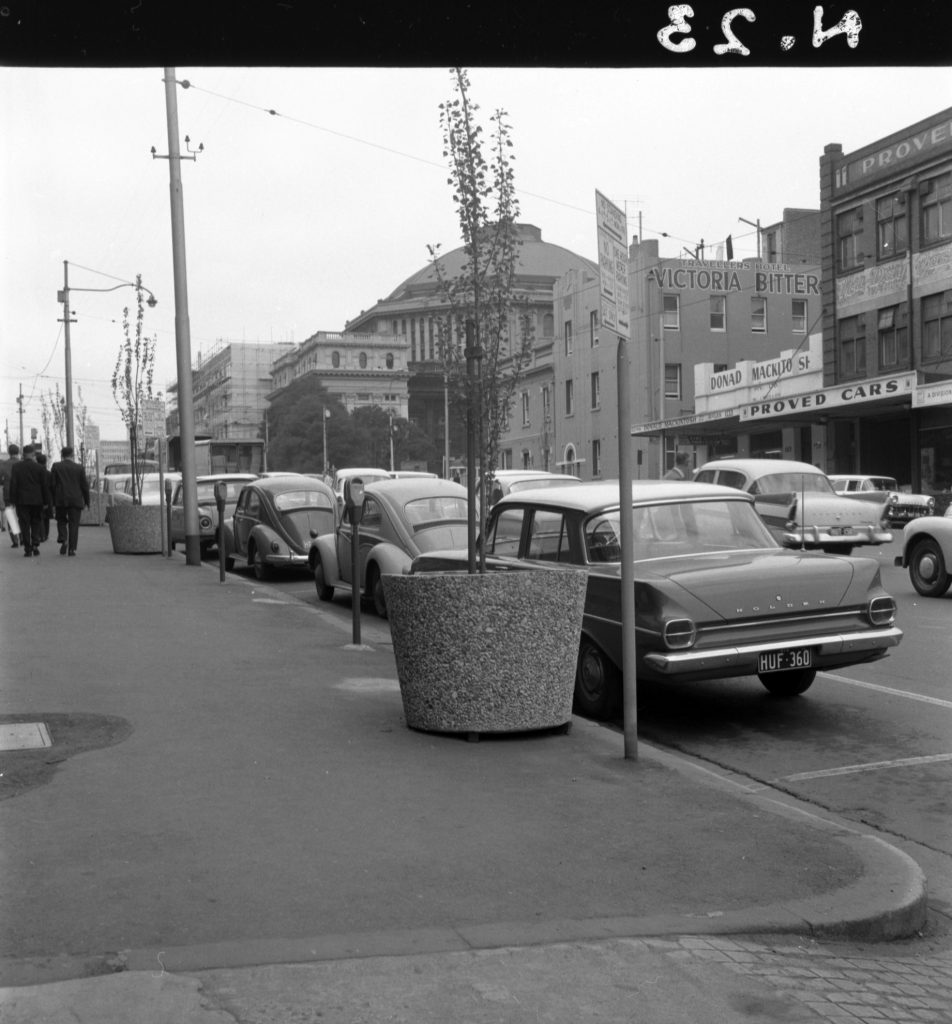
{"x":798,"y":314}
{"x":389,"y":360}
{"x":545,"y":403}
{"x":937,"y":325}
{"x":936,"y":202}
{"x":548,"y":325}
{"x":852,"y":336}
{"x":596,"y":458}
{"x":525,"y":408}
{"x":569,"y":397}
{"x":596,"y":391}
{"x":718,"y":312}
{"x":672,"y":380}
{"x":893,"y":340}
{"x":335,"y":360}
{"x":568,"y":337}
{"x":671,"y":312}
{"x":849,"y":230}
{"x":593,"y":326}
{"x":363,"y":360}
{"x":758,"y":314}
{"x":891,"y":234}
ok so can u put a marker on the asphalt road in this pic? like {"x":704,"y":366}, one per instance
{"x":871,"y":742}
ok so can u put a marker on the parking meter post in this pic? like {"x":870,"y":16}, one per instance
{"x":354,"y":510}
{"x":221,"y":491}
{"x":168,"y":518}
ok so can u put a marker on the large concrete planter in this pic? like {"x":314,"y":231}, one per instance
{"x":486,"y":653}
{"x":135,"y":529}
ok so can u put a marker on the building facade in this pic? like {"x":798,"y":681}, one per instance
{"x":230,"y":385}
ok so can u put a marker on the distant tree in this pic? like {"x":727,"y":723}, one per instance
{"x":296,"y":429}
{"x":132,"y":382}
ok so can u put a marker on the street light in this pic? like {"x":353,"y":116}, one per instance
{"x":63,"y":296}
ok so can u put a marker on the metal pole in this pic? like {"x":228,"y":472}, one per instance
{"x":470,"y":449}
{"x":69,"y":356}
{"x":629,"y":664}
{"x":446,"y":427}
{"x":324,"y":422}
{"x":183,"y":344}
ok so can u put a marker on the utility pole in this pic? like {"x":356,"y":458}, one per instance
{"x":20,"y":404}
{"x":69,"y":355}
{"x":183,"y":344}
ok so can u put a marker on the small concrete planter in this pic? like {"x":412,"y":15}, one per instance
{"x":486,"y":653}
{"x":96,"y":513}
{"x":135,"y":529}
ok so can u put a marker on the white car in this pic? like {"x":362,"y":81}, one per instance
{"x":901,"y":507}
{"x":366,"y":475}
{"x":509,"y":481}
{"x":799,"y":506}
{"x":927,"y":553}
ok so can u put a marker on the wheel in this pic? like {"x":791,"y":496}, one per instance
{"x":838,"y":549}
{"x":789,"y":684}
{"x":261,"y":567}
{"x":597,"y":682}
{"x":927,"y":569}
{"x":375,"y":589}
{"x":324,"y":592}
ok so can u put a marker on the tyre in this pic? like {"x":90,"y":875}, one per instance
{"x":927,"y":569}
{"x":597,"y":682}
{"x":261,"y":567}
{"x":375,"y":589}
{"x":838,"y":549}
{"x":789,"y":684}
{"x":324,"y":592}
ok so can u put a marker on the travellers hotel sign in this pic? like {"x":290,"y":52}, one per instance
{"x":857,"y":393}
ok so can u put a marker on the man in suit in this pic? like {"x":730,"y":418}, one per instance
{"x":70,"y":496}
{"x":6,"y":467}
{"x":30,"y":492}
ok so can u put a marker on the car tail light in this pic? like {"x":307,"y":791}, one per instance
{"x":930,"y":505}
{"x":882,"y":611}
{"x":792,"y":516}
{"x":204,"y":522}
{"x":679,"y":633}
{"x":893,"y":499}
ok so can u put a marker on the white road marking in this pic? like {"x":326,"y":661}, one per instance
{"x":852,"y":769}
{"x":888,"y":689}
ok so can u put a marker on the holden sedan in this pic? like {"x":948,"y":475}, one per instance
{"x":401,"y":519}
{"x":900,"y":507}
{"x":927,"y":553}
{"x":715,"y":595}
{"x":275,"y":518}
{"x":208,"y":532}
{"x":798,"y":504}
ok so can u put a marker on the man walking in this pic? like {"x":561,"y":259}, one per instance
{"x":30,"y":493}
{"x":70,"y":496}
{"x":681,"y":468}
{"x":10,"y":517}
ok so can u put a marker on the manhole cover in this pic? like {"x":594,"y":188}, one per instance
{"x":24,"y":736}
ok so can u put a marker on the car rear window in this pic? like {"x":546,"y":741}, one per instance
{"x":287,"y":500}
{"x":430,"y":510}
{"x":792,"y":483}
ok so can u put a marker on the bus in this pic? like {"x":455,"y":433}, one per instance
{"x":220,"y":455}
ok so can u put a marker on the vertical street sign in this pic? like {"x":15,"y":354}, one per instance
{"x":613,"y":266}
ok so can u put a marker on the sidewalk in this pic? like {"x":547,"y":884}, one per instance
{"x":265,"y":825}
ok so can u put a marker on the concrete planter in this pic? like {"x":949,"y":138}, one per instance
{"x":135,"y":529}
{"x":486,"y":653}
{"x":96,"y":513}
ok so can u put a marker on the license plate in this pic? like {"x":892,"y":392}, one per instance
{"x":838,"y":531}
{"x":783,"y":661}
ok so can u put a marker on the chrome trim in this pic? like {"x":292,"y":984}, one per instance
{"x":746,"y":656}
{"x":818,"y":535}
{"x":272,"y":559}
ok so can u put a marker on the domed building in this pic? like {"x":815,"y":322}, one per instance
{"x":412,"y":313}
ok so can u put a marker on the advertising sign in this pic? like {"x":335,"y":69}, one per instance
{"x":613,"y":266}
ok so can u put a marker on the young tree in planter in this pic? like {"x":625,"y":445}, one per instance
{"x":132,"y":383}
{"x":486,"y":336}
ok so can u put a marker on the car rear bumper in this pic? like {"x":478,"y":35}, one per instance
{"x":818,"y":536}
{"x":280,"y":561}
{"x":742,"y":660}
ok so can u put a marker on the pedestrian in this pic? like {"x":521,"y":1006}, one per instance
{"x":48,"y":512}
{"x":9,"y":515}
{"x":30,"y":493}
{"x":70,"y":497}
{"x":679,"y":471}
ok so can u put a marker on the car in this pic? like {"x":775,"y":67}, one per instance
{"x":112,"y":485}
{"x":901,"y":507}
{"x":409,"y":474}
{"x":927,"y":553}
{"x":208,"y":533}
{"x":715,"y":595}
{"x":401,"y":519}
{"x":367,"y":475}
{"x":505,"y":481}
{"x":798,"y":504}
{"x":150,"y":488}
{"x":274,"y":518}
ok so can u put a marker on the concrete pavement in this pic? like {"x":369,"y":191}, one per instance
{"x":258,"y":836}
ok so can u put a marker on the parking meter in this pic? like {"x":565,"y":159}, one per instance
{"x":168,"y":517}
{"x":221,"y":493}
{"x":354,"y":510}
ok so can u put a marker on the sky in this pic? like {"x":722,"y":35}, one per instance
{"x":298,"y":220}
